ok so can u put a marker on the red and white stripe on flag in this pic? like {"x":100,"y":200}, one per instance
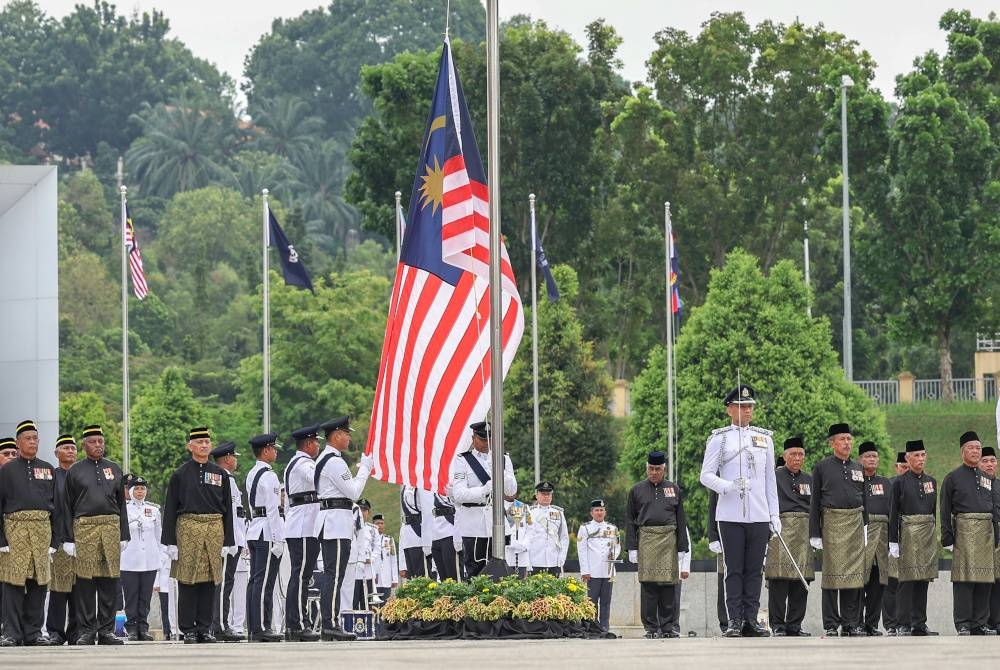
{"x":139,"y":285}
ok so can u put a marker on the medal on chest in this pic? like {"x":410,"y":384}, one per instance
{"x":928,"y":487}
{"x":109,"y":473}
{"x":213,"y":479}
{"x":41,"y":473}
{"x":857,"y":476}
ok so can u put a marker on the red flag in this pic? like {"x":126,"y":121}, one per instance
{"x":434,"y":376}
{"x":134,"y":258}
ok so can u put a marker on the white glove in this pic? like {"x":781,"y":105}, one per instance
{"x":816,"y":542}
{"x":5,"y":550}
{"x":865,"y":528}
{"x":715,"y":547}
{"x":633,"y":555}
{"x":894,"y":549}
{"x":52,"y":550}
{"x":171,"y":551}
{"x":366,"y":463}
{"x":518,"y":547}
{"x":776,"y":525}
{"x":122,"y":545}
{"x":277,"y":548}
{"x":69,"y":548}
{"x":229,"y":551}
{"x":950,"y":547}
{"x":457,"y":543}
{"x":735,"y":486}
{"x":427,"y":550}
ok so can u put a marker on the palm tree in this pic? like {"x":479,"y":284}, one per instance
{"x":285,"y":126}
{"x":319,"y":189}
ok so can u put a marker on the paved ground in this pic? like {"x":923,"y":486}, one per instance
{"x":694,"y":653}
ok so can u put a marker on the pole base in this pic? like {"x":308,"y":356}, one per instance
{"x":496,"y":568}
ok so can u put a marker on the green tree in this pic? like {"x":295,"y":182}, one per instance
{"x":77,"y":410}
{"x":755,"y":326}
{"x":285,"y":126}
{"x":577,"y":442}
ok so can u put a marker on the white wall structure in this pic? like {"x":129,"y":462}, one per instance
{"x":29,"y":301}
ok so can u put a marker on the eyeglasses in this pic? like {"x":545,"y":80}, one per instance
{"x":9,"y":453}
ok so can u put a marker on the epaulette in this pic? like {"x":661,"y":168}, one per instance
{"x":556,"y":507}
{"x":533,"y":506}
{"x":152,"y":504}
{"x":721,"y":430}
{"x":763,"y":431}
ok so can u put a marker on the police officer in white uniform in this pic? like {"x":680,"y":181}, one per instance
{"x":548,"y":535}
{"x":739,"y":467}
{"x":416,"y":552}
{"x":598,"y":546}
{"x":386,"y":560}
{"x":140,"y":561}
{"x":355,"y":591}
{"x":337,"y":491}
{"x":517,"y":554}
{"x":301,"y":509}
{"x":470,"y":488}
{"x":265,"y":537}
{"x":438,"y":534}
{"x":227,"y":599}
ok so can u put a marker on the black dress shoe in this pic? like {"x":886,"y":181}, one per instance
{"x":904,"y":631}
{"x":761,"y":630}
{"x":133,"y":637}
{"x":983,"y":630}
{"x":856,"y":631}
{"x":831,"y":632}
{"x":964,"y":630}
{"x":778,"y":632}
{"x":227,"y":635}
{"x":266,"y":636}
{"x":337,"y":635}
{"x":650,"y":635}
{"x":799,"y":633}
{"x":56,"y":640}
{"x":890,"y":631}
{"x":190,"y":638}
{"x":144,"y":636}
{"x":86,"y":640}
{"x":304,"y":635}
{"x":735,"y":629}
{"x":108,"y":638}
{"x":37,"y":642}
{"x":872,"y":632}
{"x":206,"y":638}
{"x":7,"y":641}
{"x":670,"y":634}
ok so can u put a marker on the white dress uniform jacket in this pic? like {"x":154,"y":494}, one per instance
{"x":412,"y":501}
{"x":548,"y":536}
{"x":335,"y":481}
{"x":434,"y":527}
{"x":142,"y":553}
{"x":386,"y":562}
{"x":726,"y":459}
{"x":465,"y":487}
{"x":239,"y":512}
{"x":300,"y":477}
{"x":268,"y":495}
{"x":597,"y":545}
{"x":516,"y":520}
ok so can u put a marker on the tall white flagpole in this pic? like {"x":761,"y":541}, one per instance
{"x":399,"y":225}
{"x":668,"y":232}
{"x":126,"y":456}
{"x":534,"y":337}
{"x":267,"y":315}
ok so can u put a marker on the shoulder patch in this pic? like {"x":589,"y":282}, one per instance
{"x":346,"y":476}
{"x":763,"y":431}
{"x":152,"y":504}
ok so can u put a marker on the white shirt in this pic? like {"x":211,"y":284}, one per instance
{"x":300,"y":520}
{"x":516,"y":521}
{"x":412,"y":501}
{"x":267,"y":495}
{"x":142,"y":553}
{"x":548,"y":537}
{"x":368,"y":536}
{"x":465,"y":487}
{"x":335,"y":481}
{"x":239,"y":523}
{"x":597,"y":545}
{"x":162,"y":581}
{"x":726,"y":459}
{"x":433,"y":527}
{"x":386,"y":562}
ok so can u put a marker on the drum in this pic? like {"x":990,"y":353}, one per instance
{"x":359,"y":622}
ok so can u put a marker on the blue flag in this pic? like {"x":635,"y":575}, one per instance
{"x":543,"y":263}
{"x":292,"y":269}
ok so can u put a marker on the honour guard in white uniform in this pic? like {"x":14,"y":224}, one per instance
{"x":355,"y":594}
{"x":265,"y":537}
{"x":140,"y":561}
{"x":413,"y":505}
{"x":386,"y":563}
{"x":301,"y":509}
{"x":517,"y":554}
{"x":470,"y":488}
{"x":598,"y":545}
{"x":548,"y":536}
{"x":337,"y":491}
{"x":227,"y":596}
{"x":438,"y":534}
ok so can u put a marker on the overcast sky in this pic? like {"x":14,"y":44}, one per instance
{"x":224,"y":31}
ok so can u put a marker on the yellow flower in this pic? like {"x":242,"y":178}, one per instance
{"x":572,"y":587}
{"x":432,"y":585}
{"x":486,"y":590}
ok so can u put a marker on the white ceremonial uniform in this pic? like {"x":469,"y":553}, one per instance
{"x":386,"y":562}
{"x":413,"y":501}
{"x":143,"y":552}
{"x":335,"y":481}
{"x":597,"y":545}
{"x":548,"y":536}
{"x":472,"y":497}
{"x":433,"y":527}
{"x":269,"y":527}
{"x":366,"y":562}
{"x":727,"y":459}
{"x":361,"y":553}
{"x":164,"y":583}
{"x":238,"y":611}
{"x":240,"y":515}
{"x":517,"y":554}
{"x":300,"y":520}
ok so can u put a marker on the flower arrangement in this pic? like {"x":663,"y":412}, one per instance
{"x":540,"y":597}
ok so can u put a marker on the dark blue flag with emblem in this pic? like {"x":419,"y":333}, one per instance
{"x":292,"y":269}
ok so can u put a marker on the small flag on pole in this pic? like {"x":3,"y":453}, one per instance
{"x":676,"y":306}
{"x":543,"y":263}
{"x":135,"y":258}
{"x":292,"y":269}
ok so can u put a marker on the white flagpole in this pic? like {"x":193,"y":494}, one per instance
{"x":668,"y":232}
{"x":126,"y":464}
{"x":267,"y":317}
{"x":534,"y":336}
{"x":805,"y":242}
{"x":399,"y":225}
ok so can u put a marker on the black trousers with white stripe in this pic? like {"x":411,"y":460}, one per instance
{"x":224,"y":594}
{"x":416,"y":563}
{"x":447,"y":560}
{"x":260,"y":589}
{"x":335,"y":555}
{"x":302,"y":552}
{"x":743,"y":549}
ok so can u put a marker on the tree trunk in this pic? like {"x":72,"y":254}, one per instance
{"x":944,"y":358}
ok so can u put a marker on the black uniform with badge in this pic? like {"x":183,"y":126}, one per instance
{"x":877,"y":496}
{"x":60,"y":620}
{"x":889,"y":602}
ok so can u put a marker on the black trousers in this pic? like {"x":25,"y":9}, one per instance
{"x":599,"y":590}
{"x":675,"y":615}
{"x":872,"y":599}
{"x":260,"y":588}
{"x":194,"y":607}
{"x":743,"y":548}
{"x":165,"y":614}
{"x":656,"y":606}
{"x":60,"y":620}
{"x":363,"y":589}
{"x":223,"y":598}
{"x":911,"y":605}
{"x":971,"y":603}
{"x":416,"y":562}
{"x":994,"y":620}
{"x":554,"y":571}
{"x":890,"y":605}
{"x":720,"y":603}
{"x":476,"y":554}
{"x":23,"y":607}
{"x":95,"y":600}
{"x":846,"y":614}
{"x":447,"y":560}
{"x":335,"y":555}
{"x":302,"y":552}
{"x":786,"y":604}
{"x":138,"y":587}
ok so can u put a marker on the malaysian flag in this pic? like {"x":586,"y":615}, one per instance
{"x":134,"y":258}
{"x":675,"y":269}
{"x":434,"y":375}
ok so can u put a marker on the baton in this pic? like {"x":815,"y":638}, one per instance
{"x":795,"y":563}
